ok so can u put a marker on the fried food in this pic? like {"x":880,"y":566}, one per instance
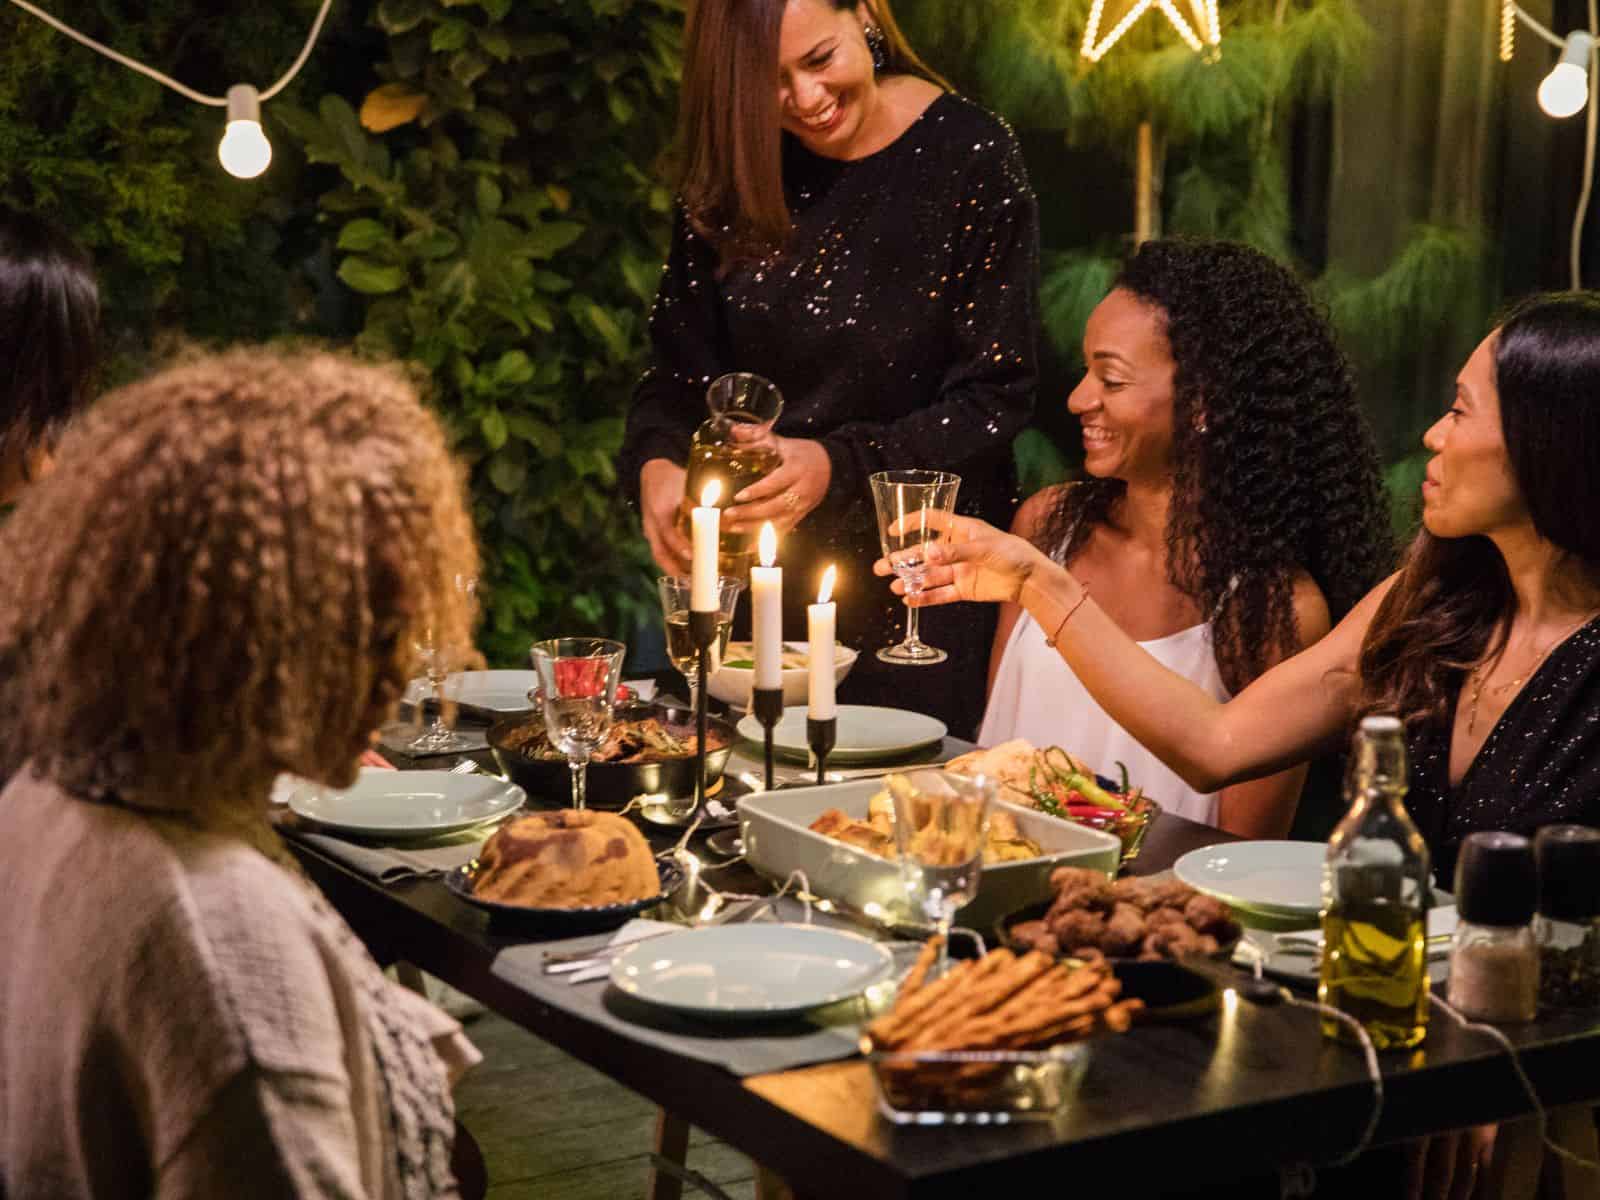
{"x":1000,"y":1002}
{"x":1005,"y":841}
{"x":1128,"y":918}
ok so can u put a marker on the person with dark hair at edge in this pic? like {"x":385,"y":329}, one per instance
{"x":1233,"y":508}
{"x":868,"y":241}
{"x":50,"y":312}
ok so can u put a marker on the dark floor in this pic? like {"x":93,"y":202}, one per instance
{"x":551,"y":1127}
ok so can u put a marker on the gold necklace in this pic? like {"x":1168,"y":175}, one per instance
{"x":1477,"y":672}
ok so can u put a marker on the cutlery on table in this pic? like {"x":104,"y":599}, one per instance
{"x":562,"y":963}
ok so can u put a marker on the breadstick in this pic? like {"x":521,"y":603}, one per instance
{"x":890,"y":1027}
{"x":980,"y":998}
{"x":919,"y":969}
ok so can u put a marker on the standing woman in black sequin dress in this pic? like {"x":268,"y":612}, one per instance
{"x":868,"y":241}
{"x":1486,"y":642}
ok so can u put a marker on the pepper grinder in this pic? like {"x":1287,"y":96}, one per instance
{"x":1567,"y":928}
{"x":1494,"y":959}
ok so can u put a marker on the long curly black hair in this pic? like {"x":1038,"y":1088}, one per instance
{"x":1284,"y":476}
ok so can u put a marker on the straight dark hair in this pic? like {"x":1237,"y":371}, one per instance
{"x":1452,"y":604}
{"x":729,"y":172}
{"x":49,"y":331}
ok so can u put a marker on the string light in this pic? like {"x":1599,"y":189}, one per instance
{"x":1508,"y":29}
{"x":1203,"y":33}
{"x":244,"y":150}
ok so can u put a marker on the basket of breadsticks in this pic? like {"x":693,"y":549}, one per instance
{"x":992,"y":1039}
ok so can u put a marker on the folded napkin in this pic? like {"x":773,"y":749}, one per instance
{"x":391,"y":864}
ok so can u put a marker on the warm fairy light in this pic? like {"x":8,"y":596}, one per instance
{"x":767,"y":544}
{"x":1203,"y":32}
{"x":1092,"y":28}
{"x":1508,"y":29}
{"x":825,"y":592}
{"x":1185,"y":31}
{"x":711,"y":494}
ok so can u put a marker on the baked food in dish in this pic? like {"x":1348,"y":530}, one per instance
{"x":1006,"y":842}
{"x":566,"y":859}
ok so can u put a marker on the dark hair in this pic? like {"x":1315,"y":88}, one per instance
{"x":730,"y":164}
{"x":1284,"y":477}
{"x":1449,"y":606}
{"x":49,"y":331}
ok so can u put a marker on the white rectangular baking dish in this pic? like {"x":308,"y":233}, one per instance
{"x":778,"y":841}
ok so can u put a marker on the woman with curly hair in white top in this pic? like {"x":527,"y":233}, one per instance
{"x":222,"y":581}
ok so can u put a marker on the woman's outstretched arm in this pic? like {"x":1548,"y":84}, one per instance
{"x":1293,"y":711}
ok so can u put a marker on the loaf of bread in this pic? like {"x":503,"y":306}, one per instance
{"x":566,"y":859}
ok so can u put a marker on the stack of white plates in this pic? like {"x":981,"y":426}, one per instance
{"x":1280,"y":880}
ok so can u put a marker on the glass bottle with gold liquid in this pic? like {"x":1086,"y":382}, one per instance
{"x":733,"y":446}
{"x":1375,"y":900}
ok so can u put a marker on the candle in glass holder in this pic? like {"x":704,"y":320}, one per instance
{"x":820,"y":624}
{"x":766,"y":603}
{"x":705,"y":527}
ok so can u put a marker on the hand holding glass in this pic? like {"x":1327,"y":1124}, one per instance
{"x":578,"y":680}
{"x":941,"y":824}
{"x":903,"y":500}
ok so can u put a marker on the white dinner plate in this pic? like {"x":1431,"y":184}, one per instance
{"x":502,"y":691}
{"x":751,"y":970}
{"x":1277,"y":878}
{"x":411,"y":804}
{"x":865,"y":733}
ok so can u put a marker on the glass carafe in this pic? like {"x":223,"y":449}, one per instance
{"x":733,"y":446}
{"x":1375,"y":900}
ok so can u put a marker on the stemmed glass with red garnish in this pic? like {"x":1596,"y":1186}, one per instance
{"x":578,"y":680}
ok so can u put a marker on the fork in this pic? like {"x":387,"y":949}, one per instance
{"x":556,"y":963}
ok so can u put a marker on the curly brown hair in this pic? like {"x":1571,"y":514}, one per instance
{"x":1285,"y":476}
{"x":225,"y":578}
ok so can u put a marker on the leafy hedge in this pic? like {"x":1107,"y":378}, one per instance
{"x":497,"y":207}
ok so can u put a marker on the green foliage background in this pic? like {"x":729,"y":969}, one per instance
{"x":508,"y":236}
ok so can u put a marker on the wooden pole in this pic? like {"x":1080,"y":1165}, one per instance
{"x":1146,"y":213}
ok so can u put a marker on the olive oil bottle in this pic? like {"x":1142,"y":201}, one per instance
{"x":1375,"y":900}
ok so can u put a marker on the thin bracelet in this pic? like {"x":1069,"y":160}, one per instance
{"x":1083,"y":594}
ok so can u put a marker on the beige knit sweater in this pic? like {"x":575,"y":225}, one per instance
{"x":182,"y":1015}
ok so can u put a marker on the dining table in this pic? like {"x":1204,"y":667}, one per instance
{"x":1164,"y":1109}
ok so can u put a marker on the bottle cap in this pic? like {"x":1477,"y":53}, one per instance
{"x":1569,"y":872}
{"x":1495,"y":880}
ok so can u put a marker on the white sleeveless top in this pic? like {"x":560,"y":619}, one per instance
{"x":1038,"y":697}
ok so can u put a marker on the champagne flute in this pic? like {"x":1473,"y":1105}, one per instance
{"x":941,"y":826}
{"x":681,"y":649}
{"x":437,"y":660}
{"x":578,"y":681}
{"x":903,"y":500}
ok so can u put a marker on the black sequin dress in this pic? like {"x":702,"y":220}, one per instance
{"x":900,"y":326}
{"x":1539,"y":766}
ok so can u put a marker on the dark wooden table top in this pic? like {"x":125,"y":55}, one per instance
{"x":1165,"y":1106}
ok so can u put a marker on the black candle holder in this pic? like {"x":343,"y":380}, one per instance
{"x":820,"y":736}
{"x":703,"y":632}
{"x":767,"y":705}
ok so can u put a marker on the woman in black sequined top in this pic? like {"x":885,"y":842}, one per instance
{"x":869,"y":242}
{"x":1486,"y":642}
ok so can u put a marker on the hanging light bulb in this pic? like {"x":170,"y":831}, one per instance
{"x":244,"y":149}
{"x":1566,"y":89}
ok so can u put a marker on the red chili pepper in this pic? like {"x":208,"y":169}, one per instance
{"x":1092,"y":812}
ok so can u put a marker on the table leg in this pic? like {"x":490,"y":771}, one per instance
{"x":411,"y":978}
{"x":770,"y":1186}
{"x":672,"y":1144}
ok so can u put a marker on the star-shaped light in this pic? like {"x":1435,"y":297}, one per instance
{"x":1203,"y":32}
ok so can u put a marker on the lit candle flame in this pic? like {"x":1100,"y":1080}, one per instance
{"x":768,"y":543}
{"x":711,"y":494}
{"x":825,"y":592}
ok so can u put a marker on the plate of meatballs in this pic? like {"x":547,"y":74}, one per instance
{"x":1126,"y":919}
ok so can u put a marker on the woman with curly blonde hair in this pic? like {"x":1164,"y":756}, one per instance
{"x":222,"y":581}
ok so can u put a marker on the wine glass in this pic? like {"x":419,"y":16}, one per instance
{"x":578,"y":683}
{"x":680,"y":642}
{"x":437,"y":659}
{"x":904,"y":499}
{"x":941,"y":825}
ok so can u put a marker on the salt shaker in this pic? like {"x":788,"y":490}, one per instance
{"x":1494,"y":959}
{"x":1568,"y":925}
